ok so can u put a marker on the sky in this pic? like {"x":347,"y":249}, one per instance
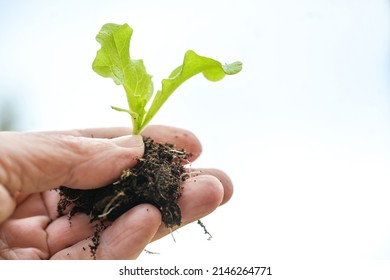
{"x":303,"y":130}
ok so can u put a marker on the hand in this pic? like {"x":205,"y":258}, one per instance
{"x":33,"y":163}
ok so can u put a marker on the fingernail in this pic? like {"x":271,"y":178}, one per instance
{"x":129,"y":141}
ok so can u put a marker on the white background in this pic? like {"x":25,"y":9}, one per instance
{"x":303,"y":130}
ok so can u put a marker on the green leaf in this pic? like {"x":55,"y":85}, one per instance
{"x":113,"y":61}
{"x":233,"y":68}
{"x":193,"y":64}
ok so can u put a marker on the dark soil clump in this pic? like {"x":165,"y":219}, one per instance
{"x":156,"y":179}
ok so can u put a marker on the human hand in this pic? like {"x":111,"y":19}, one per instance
{"x":33,"y":163}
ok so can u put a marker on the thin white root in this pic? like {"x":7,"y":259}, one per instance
{"x":190,"y":174}
{"x":107,"y":210}
{"x":177,"y":151}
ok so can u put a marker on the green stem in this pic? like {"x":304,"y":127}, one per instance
{"x":136,"y":130}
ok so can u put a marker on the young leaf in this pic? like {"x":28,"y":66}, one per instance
{"x":113,"y":61}
{"x":193,"y":64}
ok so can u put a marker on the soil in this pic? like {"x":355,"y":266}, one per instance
{"x":156,"y":179}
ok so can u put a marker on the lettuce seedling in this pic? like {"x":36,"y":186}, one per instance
{"x":113,"y":60}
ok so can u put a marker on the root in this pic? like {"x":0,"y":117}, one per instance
{"x":177,"y":152}
{"x":126,"y":173}
{"x":171,"y":232}
{"x":205,"y":229}
{"x":107,"y":210}
{"x":73,"y":199}
{"x":190,"y":174}
{"x":151,"y":253}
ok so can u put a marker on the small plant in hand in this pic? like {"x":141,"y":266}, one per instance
{"x":157,"y":177}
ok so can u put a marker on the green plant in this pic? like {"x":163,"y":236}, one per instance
{"x":113,"y":60}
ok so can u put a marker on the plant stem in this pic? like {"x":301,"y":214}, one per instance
{"x":136,"y":130}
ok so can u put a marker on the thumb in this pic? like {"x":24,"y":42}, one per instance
{"x":35,"y":162}
{"x":101,"y":167}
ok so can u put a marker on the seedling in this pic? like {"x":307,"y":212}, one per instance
{"x":113,"y":60}
{"x":157,"y":177}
